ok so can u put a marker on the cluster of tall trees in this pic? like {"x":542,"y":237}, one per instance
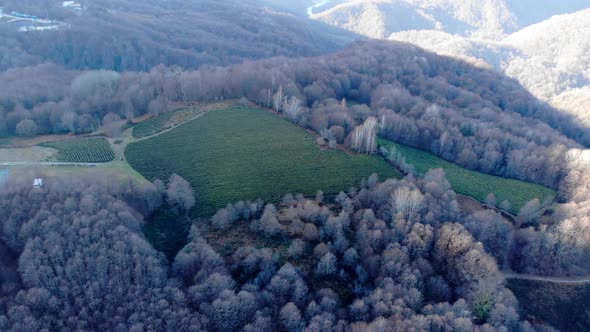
{"x":557,"y":241}
{"x":384,"y":256}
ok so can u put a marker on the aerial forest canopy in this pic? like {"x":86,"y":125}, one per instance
{"x":385,"y":255}
{"x":126,"y":35}
{"x":372,"y":260}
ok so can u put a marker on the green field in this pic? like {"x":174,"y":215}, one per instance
{"x":163,"y":121}
{"x":82,"y":150}
{"x":5,"y":141}
{"x":246,"y":153}
{"x":472,"y":183}
{"x":563,"y":306}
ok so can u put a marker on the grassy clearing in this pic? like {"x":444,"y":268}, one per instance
{"x":82,"y":150}
{"x":246,"y":153}
{"x":562,"y":306}
{"x":117,"y":171}
{"x":26,"y":154}
{"x":471,"y":183}
{"x":4,"y":141}
{"x":164,"y":121}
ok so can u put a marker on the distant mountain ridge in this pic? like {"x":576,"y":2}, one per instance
{"x":551,"y":58}
{"x":491,"y":19}
{"x":547,"y":53}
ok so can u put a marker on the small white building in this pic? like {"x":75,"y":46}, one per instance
{"x":38,"y":183}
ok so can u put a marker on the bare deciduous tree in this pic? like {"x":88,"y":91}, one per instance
{"x":180,"y":193}
{"x":277,"y":99}
{"x":363,"y":136}
{"x":292,"y":108}
{"x":27,"y":128}
{"x":406,"y":201}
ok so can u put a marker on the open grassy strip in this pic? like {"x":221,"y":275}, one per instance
{"x":4,"y":141}
{"x":247,"y":153}
{"x":471,"y":183}
{"x":82,"y":150}
{"x":563,"y":306}
{"x":164,"y":121}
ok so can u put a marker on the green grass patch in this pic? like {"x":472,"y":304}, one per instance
{"x":471,"y":183}
{"x":164,"y":121}
{"x":82,"y":150}
{"x":247,"y":153}
{"x":4,"y":141}
{"x":563,"y":306}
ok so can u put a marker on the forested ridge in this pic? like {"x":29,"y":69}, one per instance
{"x":125,"y":35}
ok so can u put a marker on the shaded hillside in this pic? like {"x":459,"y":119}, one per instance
{"x":563,"y":306}
{"x":481,"y":18}
{"x":550,"y":59}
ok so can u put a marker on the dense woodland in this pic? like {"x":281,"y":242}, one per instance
{"x":393,"y":255}
{"x":377,"y":258}
{"x":126,"y":35}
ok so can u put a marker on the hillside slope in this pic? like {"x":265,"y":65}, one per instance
{"x":128,"y":35}
{"x":551,"y":59}
{"x":561,"y":44}
{"x":491,"y":19}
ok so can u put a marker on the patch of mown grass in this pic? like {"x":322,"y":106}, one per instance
{"x":4,"y":141}
{"x":82,"y":150}
{"x":247,"y":153}
{"x":563,"y":306}
{"x":471,"y":183}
